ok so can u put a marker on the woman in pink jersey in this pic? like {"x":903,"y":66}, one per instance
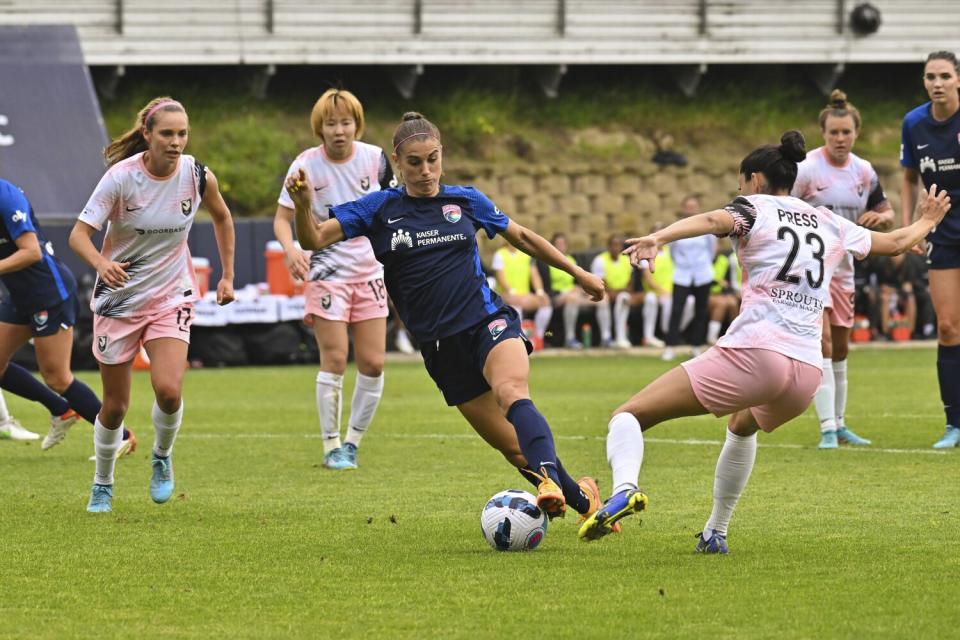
{"x":766,"y":368}
{"x":344,"y":281}
{"x":834,"y":177}
{"x":145,"y":285}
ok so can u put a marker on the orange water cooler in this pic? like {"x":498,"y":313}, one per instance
{"x":201,"y":267}
{"x":279,"y":280}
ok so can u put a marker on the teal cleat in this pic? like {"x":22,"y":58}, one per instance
{"x":161,"y":481}
{"x":845,"y":436}
{"x":605,"y":520}
{"x":101,"y":498}
{"x":715,"y":544}
{"x":338,"y":459}
{"x":350,"y":453}
{"x":950,"y":439}
{"x":828,"y":440}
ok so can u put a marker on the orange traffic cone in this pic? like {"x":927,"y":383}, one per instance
{"x":141,"y":362}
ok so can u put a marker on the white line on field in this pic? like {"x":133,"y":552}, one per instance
{"x":470,"y":436}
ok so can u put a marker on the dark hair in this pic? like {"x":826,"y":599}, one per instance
{"x":949,"y":56}
{"x":777,"y":164}
{"x":413,"y":124}
{"x":557,"y":236}
{"x":839,"y":107}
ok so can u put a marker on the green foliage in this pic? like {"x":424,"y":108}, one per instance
{"x":261,"y":542}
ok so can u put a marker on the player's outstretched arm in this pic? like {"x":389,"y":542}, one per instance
{"x":717,"y":222}
{"x":537,"y":247}
{"x":312,"y":236}
{"x":933,"y":206}
{"x":224,"y":233}
{"x":28,"y":252}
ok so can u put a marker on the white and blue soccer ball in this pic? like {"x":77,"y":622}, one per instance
{"x":512,"y":521}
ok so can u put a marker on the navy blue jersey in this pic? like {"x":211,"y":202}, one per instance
{"x":933,"y":149}
{"x":43,"y":284}
{"x":428,"y":250}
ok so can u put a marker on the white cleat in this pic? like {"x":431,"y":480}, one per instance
{"x":623,"y":344}
{"x":58,"y":429}
{"x":667,"y":354}
{"x":653,"y":341}
{"x":10,"y":429}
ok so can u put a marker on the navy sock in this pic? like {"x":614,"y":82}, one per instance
{"x":571,"y":491}
{"x":21,"y":382}
{"x":948,"y":371}
{"x":536,"y":441}
{"x":83,"y":400}
{"x":529,"y":476}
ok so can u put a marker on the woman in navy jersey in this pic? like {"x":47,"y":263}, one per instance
{"x":424,"y":235}
{"x":930,"y":151}
{"x":42,"y":306}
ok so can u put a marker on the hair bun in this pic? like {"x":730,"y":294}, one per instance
{"x":792,"y":146}
{"x":412,"y":115}
{"x":838,"y":100}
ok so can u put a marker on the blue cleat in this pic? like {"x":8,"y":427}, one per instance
{"x":338,"y":460}
{"x":950,"y":439}
{"x":606,"y":519}
{"x":350,"y":453}
{"x":101,"y":498}
{"x":716,"y":543}
{"x":845,"y":436}
{"x":161,"y":481}
{"x":828,"y":440}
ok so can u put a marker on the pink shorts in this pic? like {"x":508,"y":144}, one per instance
{"x":774,"y":387}
{"x":117,"y":340}
{"x":348,"y":302}
{"x":840,"y":304}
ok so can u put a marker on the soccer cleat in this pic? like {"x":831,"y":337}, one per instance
{"x":549,"y":496}
{"x":58,"y":429}
{"x":590,"y":489}
{"x":716,"y":543}
{"x":623,"y":344}
{"x":845,"y":436}
{"x":950,"y":439}
{"x":607,"y":343}
{"x":101,"y":498}
{"x":10,"y":429}
{"x":337,"y":460}
{"x":606,"y":520}
{"x":161,"y":480}
{"x":574,"y":344}
{"x":350,"y":455}
{"x":653,"y":341}
{"x":828,"y":440}
{"x":667,"y":354}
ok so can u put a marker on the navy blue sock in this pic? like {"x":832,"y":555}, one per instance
{"x":536,"y":440}
{"x":571,"y":491}
{"x":83,"y":400}
{"x":948,"y":371}
{"x":529,"y":476}
{"x":21,"y":382}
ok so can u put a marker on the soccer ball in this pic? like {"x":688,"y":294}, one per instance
{"x":512,"y":521}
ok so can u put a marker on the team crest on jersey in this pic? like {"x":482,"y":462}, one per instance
{"x":186,"y":206}
{"x":927,"y":164}
{"x":365,"y":182}
{"x":400,"y":238}
{"x":452,"y":213}
{"x":497,"y":327}
{"x":40,"y":318}
{"x":325,"y":301}
{"x":102,"y":343}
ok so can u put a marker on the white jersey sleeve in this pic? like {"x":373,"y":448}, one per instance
{"x":597,"y":268}
{"x":856,"y":240}
{"x":102,"y":203}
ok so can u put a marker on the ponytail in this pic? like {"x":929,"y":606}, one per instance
{"x":839,"y":107}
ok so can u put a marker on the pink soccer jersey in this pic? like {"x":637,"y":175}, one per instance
{"x":788,"y":251}
{"x":848,"y":191}
{"x":148,"y":219}
{"x":334,"y":183}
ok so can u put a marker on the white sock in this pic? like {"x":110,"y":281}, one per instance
{"x":689,"y":308}
{"x":823,"y":399}
{"x":571,"y":311}
{"x":666,"y":306}
{"x":105,"y":445}
{"x":840,"y":391}
{"x":4,"y":414}
{"x":713,"y":331}
{"x":603,"y":319}
{"x":330,"y":406}
{"x":650,"y":307}
{"x":166,"y":426}
{"x":621,"y":313}
{"x":733,"y":470}
{"x":624,"y":451}
{"x":366,"y":399}
{"x":541,"y":320}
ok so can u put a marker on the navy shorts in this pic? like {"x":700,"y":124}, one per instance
{"x":46,"y":322}
{"x":943,"y":256}
{"x":456,"y":362}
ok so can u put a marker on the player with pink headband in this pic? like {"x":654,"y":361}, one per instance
{"x":146,"y":286}
{"x":345,"y":287}
{"x":766,"y":368}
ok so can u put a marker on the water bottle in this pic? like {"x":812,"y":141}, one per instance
{"x":586,"y":335}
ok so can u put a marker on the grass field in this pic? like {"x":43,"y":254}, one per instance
{"x":261,"y":541}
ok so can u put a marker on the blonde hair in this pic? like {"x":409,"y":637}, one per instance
{"x":329,"y":103}
{"x":839,"y":107}
{"x":132,"y":141}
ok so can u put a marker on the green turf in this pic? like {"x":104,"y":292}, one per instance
{"x":260,"y":541}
